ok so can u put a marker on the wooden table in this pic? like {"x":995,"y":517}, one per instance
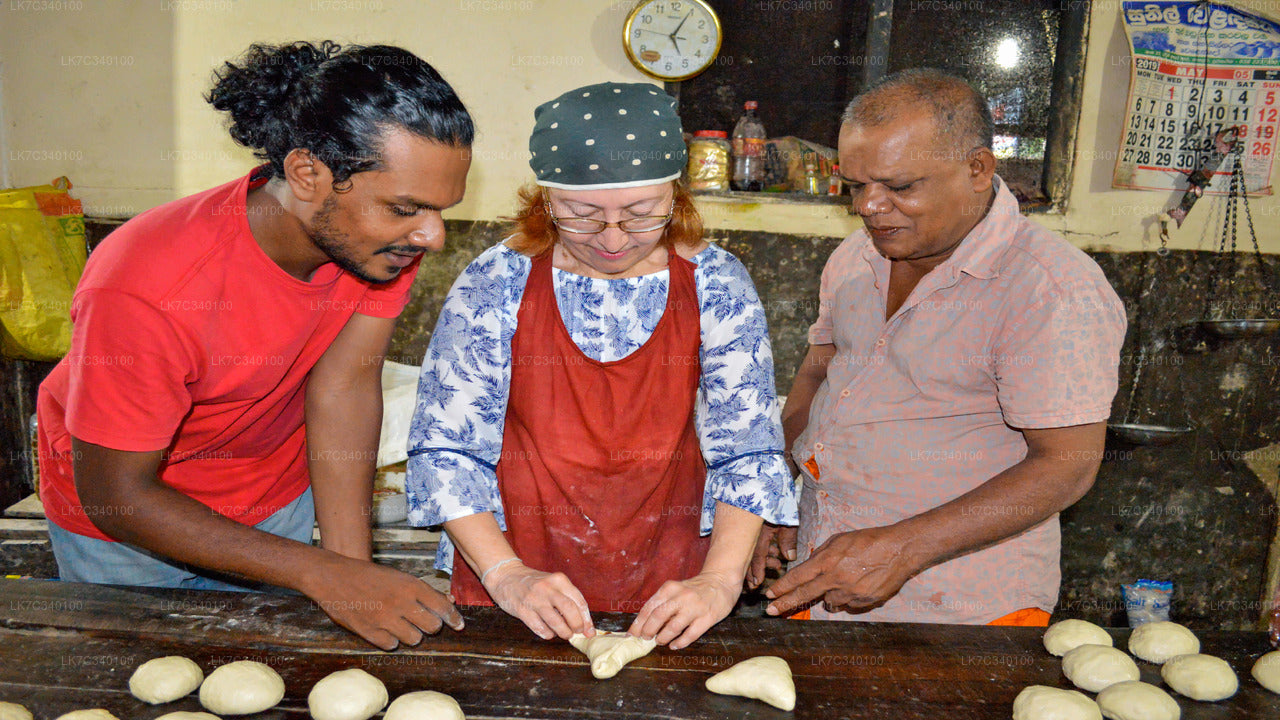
{"x":65,"y":646}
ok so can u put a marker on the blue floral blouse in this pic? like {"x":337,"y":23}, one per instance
{"x":455,"y":440}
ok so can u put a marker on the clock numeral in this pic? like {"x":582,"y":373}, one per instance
{"x":702,"y":24}
{"x":646,"y":19}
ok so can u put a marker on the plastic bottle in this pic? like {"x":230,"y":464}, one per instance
{"x":748,"y":150}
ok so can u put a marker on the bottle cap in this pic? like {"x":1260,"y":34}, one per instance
{"x":750,"y":105}
{"x":711,"y":133}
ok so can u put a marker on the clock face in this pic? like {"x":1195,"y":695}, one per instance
{"x":672,"y":39}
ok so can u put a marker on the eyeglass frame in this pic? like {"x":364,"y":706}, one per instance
{"x":666,"y":220}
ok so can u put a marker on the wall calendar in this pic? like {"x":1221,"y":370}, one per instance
{"x":1205,"y":84}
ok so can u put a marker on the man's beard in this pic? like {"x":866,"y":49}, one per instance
{"x":336,"y":244}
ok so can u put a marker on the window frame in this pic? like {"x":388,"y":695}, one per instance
{"x":1065,"y":101}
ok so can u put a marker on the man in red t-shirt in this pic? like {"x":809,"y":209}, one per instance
{"x":223,"y":388}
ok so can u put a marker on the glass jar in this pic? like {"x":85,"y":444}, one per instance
{"x":709,"y":160}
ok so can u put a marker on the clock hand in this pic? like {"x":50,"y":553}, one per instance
{"x":682,"y":22}
{"x":673,"y":32}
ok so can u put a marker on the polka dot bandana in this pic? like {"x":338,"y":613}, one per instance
{"x":610,"y":135}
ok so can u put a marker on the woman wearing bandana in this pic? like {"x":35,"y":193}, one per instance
{"x":596,"y":423}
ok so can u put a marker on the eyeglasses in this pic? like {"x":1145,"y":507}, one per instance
{"x":590,"y":226}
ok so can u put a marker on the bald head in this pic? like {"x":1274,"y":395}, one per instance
{"x":961,"y":118}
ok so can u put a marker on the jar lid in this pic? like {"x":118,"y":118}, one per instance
{"x":711,"y":133}
{"x":750,"y":105}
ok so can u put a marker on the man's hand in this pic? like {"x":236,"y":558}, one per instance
{"x":681,"y":611}
{"x":380,"y":604}
{"x":857,"y":570}
{"x":776,"y":544}
{"x":546,"y":602}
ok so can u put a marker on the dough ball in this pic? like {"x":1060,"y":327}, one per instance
{"x":1067,"y":635}
{"x":165,"y":679}
{"x":347,"y":695}
{"x":1267,"y":671}
{"x":185,"y":715}
{"x":94,"y":714}
{"x":240,"y":688}
{"x":1200,"y":677}
{"x":14,"y":711}
{"x":424,"y":705}
{"x":1094,"y":667}
{"x":1156,"y":642}
{"x":1138,"y":701}
{"x":1041,"y":702}
{"x":609,"y":652}
{"x":766,"y":678}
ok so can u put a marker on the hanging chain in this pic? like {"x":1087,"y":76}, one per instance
{"x":1137,"y":378}
{"x":1268,"y":278}
{"x":1233,"y":210}
{"x":1149,"y":276}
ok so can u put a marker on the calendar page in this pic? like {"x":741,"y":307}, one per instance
{"x":1198,"y":68}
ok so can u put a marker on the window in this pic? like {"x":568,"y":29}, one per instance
{"x":802,"y":60}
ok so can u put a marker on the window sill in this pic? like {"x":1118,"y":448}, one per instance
{"x":789,"y":198}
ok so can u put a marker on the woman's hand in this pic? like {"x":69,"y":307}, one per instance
{"x":681,"y":611}
{"x":547,"y":602}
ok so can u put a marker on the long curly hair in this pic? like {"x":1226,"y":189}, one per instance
{"x":336,"y":102}
{"x":534,"y":233}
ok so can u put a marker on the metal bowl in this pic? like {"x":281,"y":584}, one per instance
{"x":1139,"y":434}
{"x":1241,"y":328}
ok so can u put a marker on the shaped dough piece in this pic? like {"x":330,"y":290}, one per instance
{"x":347,"y":695}
{"x":185,"y":715}
{"x":14,"y":711}
{"x":424,"y":705}
{"x":165,"y":679}
{"x":1041,"y":702}
{"x":766,"y":678}
{"x":609,"y":652}
{"x":240,"y":688}
{"x":1200,"y":677}
{"x":1267,"y":671}
{"x":1138,"y":701}
{"x":1094,"y":667}
{"x":94,"y":714}
{"x":1156,"y":642}
{"x":1067,"y":635}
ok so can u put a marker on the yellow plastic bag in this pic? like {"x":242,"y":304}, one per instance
{"x":42,"y":254}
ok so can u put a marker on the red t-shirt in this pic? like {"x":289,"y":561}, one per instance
{"x":188,"y":337}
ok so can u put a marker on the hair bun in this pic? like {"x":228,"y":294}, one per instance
{"x":255,"y":91}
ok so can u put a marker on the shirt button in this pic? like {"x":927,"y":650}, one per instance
{"x":817,"y":446}
{"x":880,"y":342}
{"x":844,"y":393}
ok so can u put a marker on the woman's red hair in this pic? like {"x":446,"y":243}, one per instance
{"x":534,"y":233}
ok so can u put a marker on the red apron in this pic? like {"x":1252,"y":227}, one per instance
{"x":601,"y":473}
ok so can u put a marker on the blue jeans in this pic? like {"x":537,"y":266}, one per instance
{"x":89,"y":560}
